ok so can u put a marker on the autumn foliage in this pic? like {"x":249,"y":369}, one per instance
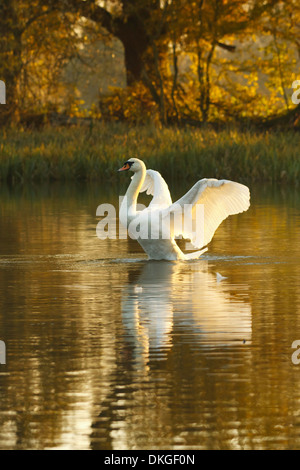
{"x":183,"y":61}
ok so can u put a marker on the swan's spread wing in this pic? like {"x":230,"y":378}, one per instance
{"x":220,"y":198}
{"x":156,"y":186}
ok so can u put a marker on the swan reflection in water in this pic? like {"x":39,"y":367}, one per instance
{"x":167,"y":299}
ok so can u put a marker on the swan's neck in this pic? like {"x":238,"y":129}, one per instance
{"x":130,"y":198}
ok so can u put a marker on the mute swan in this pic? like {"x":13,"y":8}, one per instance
{"x":220,"y":198}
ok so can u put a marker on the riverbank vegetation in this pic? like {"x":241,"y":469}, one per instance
{"x":194,"y":88}
{"x":95,"y":153}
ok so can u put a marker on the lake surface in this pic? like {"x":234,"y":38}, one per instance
{"x":106,"y":350}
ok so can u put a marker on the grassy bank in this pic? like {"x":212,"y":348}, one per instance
{"x":95,"y":153}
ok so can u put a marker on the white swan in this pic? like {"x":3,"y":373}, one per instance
{"x":220,"y":198}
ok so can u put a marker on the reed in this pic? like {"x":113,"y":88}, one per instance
{"x":94,"y":153}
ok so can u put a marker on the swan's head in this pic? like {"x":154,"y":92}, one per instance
{"x":133,"y":164}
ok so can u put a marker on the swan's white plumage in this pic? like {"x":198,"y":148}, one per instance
{"x":220,"y":199}
{"x":155,"y":186}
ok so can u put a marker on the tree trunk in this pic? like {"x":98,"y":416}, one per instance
{"x":133,"y":62}
{"x":135,"y":43}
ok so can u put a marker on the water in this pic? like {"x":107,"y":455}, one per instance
{"x":108,"y":351}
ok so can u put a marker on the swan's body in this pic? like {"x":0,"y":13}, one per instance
{"x":220,"y":199}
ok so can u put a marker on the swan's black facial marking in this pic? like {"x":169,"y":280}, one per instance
{"x":127,"y":165}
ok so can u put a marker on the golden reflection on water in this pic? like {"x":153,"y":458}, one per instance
{"x":108,"y":351}
{"x":164,"y":294}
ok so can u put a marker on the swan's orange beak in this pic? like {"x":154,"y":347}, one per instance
{"x":126,"y":166}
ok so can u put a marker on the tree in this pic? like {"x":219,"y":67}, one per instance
{"x":10,"y":53}
{"x":195,"y":59}
{"x":35,"y":42}
{"x":128,"y":20}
